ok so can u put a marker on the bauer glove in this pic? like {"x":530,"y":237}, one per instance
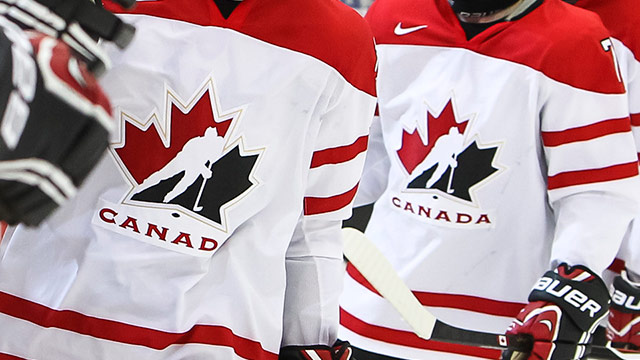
{"x":54,"y":124}
{"x":564,"y":309}
{"x":340,"y":351}
{"x":623,"y":328}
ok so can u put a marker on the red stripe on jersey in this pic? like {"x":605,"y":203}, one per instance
{"x":581,"y":177}
{"x":126,"y":333}
{"x":357,"y":276}
{"x":319,"y":205}
{"x":635,"y":119}
{"x":407,"y":338}
{"x":453,"y":301}
{"x":339,"y":154}
{"x":588,"y":132}
{"x":9,"y":357}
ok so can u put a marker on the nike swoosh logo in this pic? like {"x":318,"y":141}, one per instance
{"x":399,"y":30}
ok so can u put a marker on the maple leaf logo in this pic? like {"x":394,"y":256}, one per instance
{"x":144,"y":152}
{"x":191,"y":161}
{"x":414,"y":151}
{"x":445,"y":162}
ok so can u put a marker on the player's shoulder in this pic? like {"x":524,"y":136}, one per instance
{"x":563,"y":22}
{"x":620,"y":17}
{"x":384,"y":15}
{"x":327,"y":30}
{"x":571,"y":45}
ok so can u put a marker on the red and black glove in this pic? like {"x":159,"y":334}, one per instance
{"x":54,"y":124}
{"x":340,"y":351}
{"x":565,"y":307}
{"x":623,"y":328}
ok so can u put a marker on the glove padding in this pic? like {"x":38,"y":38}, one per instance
{"x":623,"y":328}
{"x":564,"y":309}
{"x":341,"y":350}
{"x":54,"y":127}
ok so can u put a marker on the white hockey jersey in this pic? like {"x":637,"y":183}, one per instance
{"x":620,"y":17}
{"x":240,"y":146}
{"x":492,"y":158}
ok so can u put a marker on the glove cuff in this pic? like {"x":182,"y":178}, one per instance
{"x":301,"y":352}
{"x":625,"y":297}
{"x":580,"y":293}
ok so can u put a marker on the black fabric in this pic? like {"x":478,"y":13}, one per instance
{"x":5,"y":72}
{"x":226,"y":6}
{"x":473,"y":29}
{"x":480,"y":6}
{"x":360,"y":354}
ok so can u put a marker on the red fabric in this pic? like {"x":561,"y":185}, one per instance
{"x":623,"y":327}
{"x":326,"y":30}
{"x":126,"y":333}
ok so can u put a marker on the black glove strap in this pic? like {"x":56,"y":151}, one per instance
{"x":585,"y":300}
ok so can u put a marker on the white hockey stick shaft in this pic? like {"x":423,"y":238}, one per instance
{"x":379,"y":272}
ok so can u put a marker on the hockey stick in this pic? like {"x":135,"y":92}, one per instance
{"x":377,"y":270}
{"x":196,"y":206}
{"x":453,"y":168}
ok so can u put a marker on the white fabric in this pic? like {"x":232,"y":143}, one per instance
{"x":492,"y":246}
{"x":110,"y":256}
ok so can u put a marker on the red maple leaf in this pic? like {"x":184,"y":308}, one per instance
{"x":143,"y":152}
{"x":413,"y":150}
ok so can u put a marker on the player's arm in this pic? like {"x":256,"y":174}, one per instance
{"x":314,"y":260}
{"x":565,"y":307}
{"x":592,"y":180}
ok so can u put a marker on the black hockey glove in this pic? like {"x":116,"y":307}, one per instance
{"x":79,"y":23}
{"x":564,"y":309}
{"x":54,"y":124}
{"x":623,"y":328}
{"x":340,"y":351}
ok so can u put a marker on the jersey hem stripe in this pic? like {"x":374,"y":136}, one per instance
{"x":407,"y":338}
{"x":582,"y":177}
{"x":588,"y":132}
{"x":451,"y":301}
{"x":126,"y":333}
{"x":4,"y":356}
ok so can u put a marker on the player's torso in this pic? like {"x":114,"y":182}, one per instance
{"x":476,"y":232}
{"x":170,"y":192}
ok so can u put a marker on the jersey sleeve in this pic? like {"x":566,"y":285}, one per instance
{"x":376,"y":167}
{"x":592,"y":165}
{"x":630,"y":68}
{"x":314,"y":258}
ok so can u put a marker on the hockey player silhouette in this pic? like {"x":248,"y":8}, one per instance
{"x":196,"y":159}
{"x":443,"y":154}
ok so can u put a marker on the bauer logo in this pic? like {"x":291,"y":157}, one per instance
{"x":444,"y":162}
{"x":186,"y":169}
{"x":571,"y":296}
{"x":629,"y":302}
